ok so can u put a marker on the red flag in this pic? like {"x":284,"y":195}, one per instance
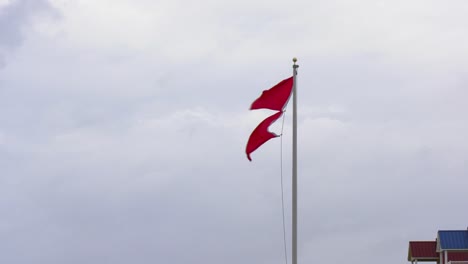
{"x":276,"y":97}
{"x":261,"y":134}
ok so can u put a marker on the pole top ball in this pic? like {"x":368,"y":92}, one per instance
{"x":294,"y":59}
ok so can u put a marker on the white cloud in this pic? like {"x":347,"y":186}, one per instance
{"x":180,"y":31}
{"x":4,"y":3}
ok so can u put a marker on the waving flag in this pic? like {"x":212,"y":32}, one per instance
{"x":274,"y":99}
{"x":261,"y":134}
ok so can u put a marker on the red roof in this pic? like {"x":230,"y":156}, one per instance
{"x":422,"y":250}
{"x":458,"y":256}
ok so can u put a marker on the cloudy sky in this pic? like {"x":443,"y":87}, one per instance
{"x":123,"y":125}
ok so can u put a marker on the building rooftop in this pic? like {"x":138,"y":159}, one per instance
{"x":422,"y":251}
{"x":452,"y":240}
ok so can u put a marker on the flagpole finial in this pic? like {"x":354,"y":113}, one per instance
{"x":294,"y":60}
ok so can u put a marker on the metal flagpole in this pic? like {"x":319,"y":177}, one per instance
{"x":294,"y":166}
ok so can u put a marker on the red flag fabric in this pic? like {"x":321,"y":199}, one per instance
{"x":276,"y":97}
{"x":261,"y":134}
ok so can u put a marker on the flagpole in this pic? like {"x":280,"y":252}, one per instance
{"x":294,"y":166}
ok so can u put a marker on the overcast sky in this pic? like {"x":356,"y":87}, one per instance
{"x":123,"y":125}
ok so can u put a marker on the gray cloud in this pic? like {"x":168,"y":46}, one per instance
{"x":15,"y":17}
{"x":2,"y":62}
{"x":122,"y":135}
